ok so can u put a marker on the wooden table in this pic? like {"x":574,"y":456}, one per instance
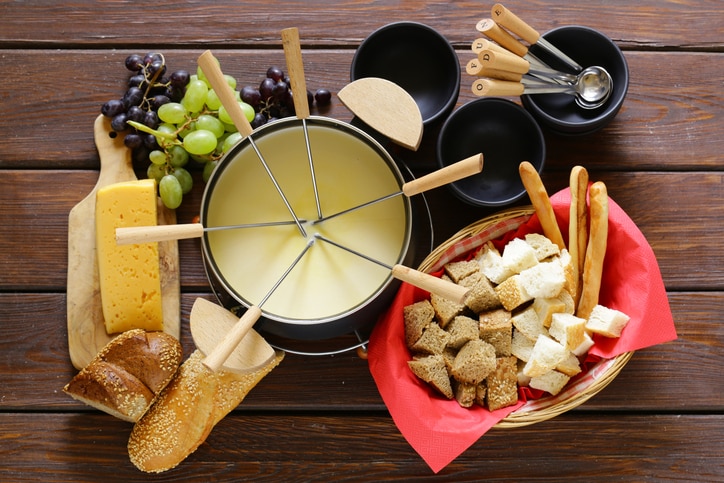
{"x":321,"y":418}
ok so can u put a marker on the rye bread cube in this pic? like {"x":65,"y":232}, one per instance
{"x":496,"y":328}
{"x":474,"y":362}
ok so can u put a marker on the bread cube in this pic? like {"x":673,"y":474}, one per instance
{"x":568,"y":329}
{"x":542,"y":246}
{"x":545,"y":280}
{"x":433,"y":340}
{"x":474,"y":362}
{"x":521,"y":346}
{"x":551,"y":382}
{"x":502,"y":384}
{"x":462,"y":329}
{"x":518,"y":256}
{"x":546,"y":307}
{"x":546,"y":355}
{"x":528,"y":324}
{"x":606,"y":322}
{"x":482,"y":295}
{"x":512,"y":294}
{"x":459,"y":270}
{"x":417,"y":317}
{"x":431,"y":369}
{"x":496,"y":328}
{"x":491,"y":264}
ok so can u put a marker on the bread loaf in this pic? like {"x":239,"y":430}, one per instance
{"x":187,"y":410}
{"x":128,"y":373}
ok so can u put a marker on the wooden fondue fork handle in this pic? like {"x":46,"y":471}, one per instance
{"x":444,"y":288}
{"x":462,"y":169}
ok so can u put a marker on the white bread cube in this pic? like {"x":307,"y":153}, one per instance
{"x":523,"y":380}
{"x":521,"y":346}
{"x":491,"y":264}
{"x":568,"y":329}
{"x":518,"y":256}
{"x":528,"y":324}
{"x":570,"y":366}
{"x":545,"y":279}
{"x":551,"y":382}
{"x":568,"y":302}
{"x":546,"y":355}
{"x":607,"y":322}
{"x":546,"y":307}
{"x":543,"y":247}
{"x":584,"y":347}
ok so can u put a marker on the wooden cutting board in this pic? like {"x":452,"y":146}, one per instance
{"x":86,"y":328}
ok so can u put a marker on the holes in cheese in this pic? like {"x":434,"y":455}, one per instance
{"x":130,"y":279}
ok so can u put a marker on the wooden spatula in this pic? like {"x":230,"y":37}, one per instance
{"x":86,"y":329}
{"x":387,"y":108}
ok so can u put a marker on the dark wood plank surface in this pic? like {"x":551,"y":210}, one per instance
{"x":321,"y":418}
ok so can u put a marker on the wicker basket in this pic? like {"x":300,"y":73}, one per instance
{"x":578,"y":391}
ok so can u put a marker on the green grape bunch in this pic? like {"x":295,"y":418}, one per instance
{"x":176,"y":121}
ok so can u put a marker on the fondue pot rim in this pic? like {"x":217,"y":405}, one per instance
{"x":296,"y":123}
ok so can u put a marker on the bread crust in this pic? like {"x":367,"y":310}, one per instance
{"x":126,"y":375}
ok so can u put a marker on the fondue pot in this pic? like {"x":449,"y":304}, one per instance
{"x":329,"y":292}
{"x":326,"y":271}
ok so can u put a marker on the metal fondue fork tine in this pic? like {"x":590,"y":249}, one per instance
{"x":461,"y":169}
{"x":222,"y":352}
{"x":295,"y":66}
{"x":211,"y":69}
{"x":443,"y":288}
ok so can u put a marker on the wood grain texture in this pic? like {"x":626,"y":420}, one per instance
{"x":321,"y":418}
{"x":368,"y":447}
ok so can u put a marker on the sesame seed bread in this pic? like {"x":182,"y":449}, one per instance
{"x":502,"y":383}
{"x":511,"y":293}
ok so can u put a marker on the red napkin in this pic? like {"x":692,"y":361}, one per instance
{"x":439,"y":429}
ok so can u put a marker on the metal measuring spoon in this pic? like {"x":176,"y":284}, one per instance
{"x":588,"y":95}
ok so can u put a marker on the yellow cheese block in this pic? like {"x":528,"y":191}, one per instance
{"x":130,"y":279}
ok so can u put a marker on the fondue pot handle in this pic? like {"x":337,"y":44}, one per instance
{"x":443,"y":288}
{"x":461,"y":169}
{"x":210,"y":67}
{"x":157,"y":233}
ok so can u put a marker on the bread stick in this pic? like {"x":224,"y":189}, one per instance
{"x":595,"y":251}
{"x":541,"y":203}
{"x":578,"y":227}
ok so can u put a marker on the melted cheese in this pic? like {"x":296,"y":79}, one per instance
{"x":130,"y":279}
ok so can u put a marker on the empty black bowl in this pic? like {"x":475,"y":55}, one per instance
{"x":506,"y":134}
{"x":559,"y":112}
{"x":417,"y":58}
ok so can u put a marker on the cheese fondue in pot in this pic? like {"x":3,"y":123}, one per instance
{"x":350,"y":169}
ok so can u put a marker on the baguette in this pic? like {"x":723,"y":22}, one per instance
{"x":127,"y":374}
{"x":595,"y":251}
{"x":578,"y":227}
{"x":187,"y":410}
{"x":541,"y":202}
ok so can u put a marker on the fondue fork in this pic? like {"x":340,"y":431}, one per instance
{"x":210,"y":67}
{"x":295,"y":66}
{"x":448,"y":174}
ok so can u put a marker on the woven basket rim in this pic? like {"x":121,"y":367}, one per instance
{"x":522,"y":417}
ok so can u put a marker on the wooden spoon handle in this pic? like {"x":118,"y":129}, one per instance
{"x":210,"y":67}
{"x":157,"y":233}
{"x":444,"y":288}
{"x":295,"y":66}
{"x":495,"y":87}
{"x":222,"y":351}
{"x":476,"y":68}
{"x":488,"y":27}
{"x":461,"y":169}
{"x":512,"y":22}
{"x":481,"y":44}
{"x":505,"y":62}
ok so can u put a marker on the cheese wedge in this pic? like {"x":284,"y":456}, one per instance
{"x":130,"y":279}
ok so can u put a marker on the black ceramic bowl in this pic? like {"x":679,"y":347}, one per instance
{"x":417,"y":58}
{"x":506,"y":134}
{"x":559,"y":112}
